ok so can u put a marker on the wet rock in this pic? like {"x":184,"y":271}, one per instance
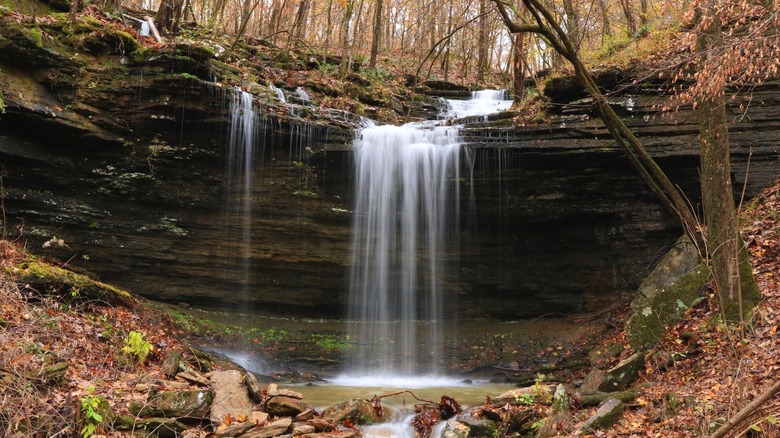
{"x":253,"y":386}
{"x":275,"y":428}
{"x":274,"y":390}
{"x":358,"y":411}
{"x":525,"y":396}
{"x":283,"y":406}
{"x":479,"y":426}
{"x":230,"y":397}
{"x":455,"y":429}
{"x":623,"y":374}
{"x":608,"y":414}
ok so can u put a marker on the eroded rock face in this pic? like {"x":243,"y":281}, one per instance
{"x":127,"y":165}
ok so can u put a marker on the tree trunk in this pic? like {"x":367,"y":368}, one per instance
{"x":721,"y":231}
{"x":572,"y":23}
{"x":629,"y":14}
{"x":301,"y":22}
{"x":168,"y":14}
{"x":345,"y":42}
{"x":518,"y":64}
{"x":377,"y":37}
{"x":606,"y":26}
{"x":546,"y":26}
{"x":482,"y":49}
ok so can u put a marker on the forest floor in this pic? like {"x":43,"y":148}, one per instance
{"x":64,"y":340}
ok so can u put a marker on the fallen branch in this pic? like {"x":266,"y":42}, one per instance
{"x":410,"y":393}
{"x":745,"y":413}
{"x":153,"y":28}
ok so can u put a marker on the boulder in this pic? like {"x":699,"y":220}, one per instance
{"x":664,"y":295}
{"x":274,"y":390}
{"x":479,"y":426}
{"x":179,"y":404}
{"x":230,"y":397}
{"x":592,"y":381}
{"x":272,"y":429}
{"x":358,"y":411}
{"x":609,"y":413}
{"x":622,"y":375}
{"x":283,"y":406}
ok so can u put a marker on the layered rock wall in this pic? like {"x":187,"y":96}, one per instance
{"x":126,"y":164}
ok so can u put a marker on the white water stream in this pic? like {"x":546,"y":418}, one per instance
{"x":407,"y":192}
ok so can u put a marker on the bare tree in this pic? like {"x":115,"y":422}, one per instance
{"x":377,"y":34}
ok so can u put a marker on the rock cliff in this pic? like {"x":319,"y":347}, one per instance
{"x":123,"y":157}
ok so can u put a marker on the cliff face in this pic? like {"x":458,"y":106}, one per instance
{"x":125,"y":161}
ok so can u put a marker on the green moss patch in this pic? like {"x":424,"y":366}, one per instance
{"x":47,"y":279}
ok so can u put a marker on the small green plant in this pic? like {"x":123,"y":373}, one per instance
{"x":93,"y":408}
{"x":273,"y":335}
{"x":330,"y":342}
{"x":36,"y":36}
{"x":135,"y":345}
{"x":525,"y":398}
{"x":188,"y":76}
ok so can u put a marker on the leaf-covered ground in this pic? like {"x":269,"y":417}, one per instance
{"x":703,"y":371}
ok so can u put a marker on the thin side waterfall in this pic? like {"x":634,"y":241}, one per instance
{"x":405,"y":223}
{"x":239,"y":169}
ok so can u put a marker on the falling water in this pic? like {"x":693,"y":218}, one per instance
{"x":239,"y":169}
{"x":279,"y":92}
{"x":405,"y":222}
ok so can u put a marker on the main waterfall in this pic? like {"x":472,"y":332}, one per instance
{"x":406,"y":219}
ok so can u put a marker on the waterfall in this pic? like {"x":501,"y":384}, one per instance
{"x":279,"y":93}
{"x":405,"y":222}
{"x":238,"y":172}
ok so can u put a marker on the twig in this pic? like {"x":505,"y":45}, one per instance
{"x":410,"y":393}
{"x":746,"y":411}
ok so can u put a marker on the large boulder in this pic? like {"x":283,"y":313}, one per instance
{"x":175,"y":404}
{"x":665,"y":294}
{"x":357,"y":411}
{"x":231,"y":398}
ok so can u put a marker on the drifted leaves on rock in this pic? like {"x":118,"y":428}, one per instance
{"x":424,"y":420}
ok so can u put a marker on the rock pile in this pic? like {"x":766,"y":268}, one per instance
{"x":193,"y":395}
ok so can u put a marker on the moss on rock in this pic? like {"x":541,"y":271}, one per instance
{"x":662,"y":298}
{"x":45,"y":278}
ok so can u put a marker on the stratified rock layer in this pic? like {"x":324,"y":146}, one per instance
{"x":125,"y":163}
